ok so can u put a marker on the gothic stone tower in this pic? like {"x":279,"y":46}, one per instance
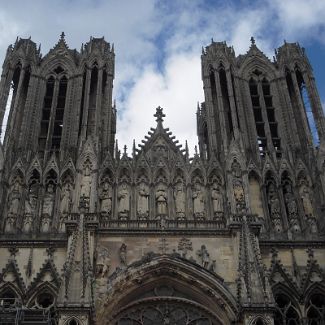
{"x":232,"y":235}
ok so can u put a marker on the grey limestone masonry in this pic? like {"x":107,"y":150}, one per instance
{"x":93,"y":235}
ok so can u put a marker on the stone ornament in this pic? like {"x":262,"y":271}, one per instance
{"x":143,"y":201}
{"x":179,"y":197}
{"x":185,"y":245}
{"x":123,"y":198}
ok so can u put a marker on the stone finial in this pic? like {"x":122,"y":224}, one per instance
{"x":159,"y":115}
{"x":253,"y":40}
{"x":62,"y":36}
{"x":124,"y":150}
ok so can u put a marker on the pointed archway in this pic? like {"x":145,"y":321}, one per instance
{"x":161,"y":289}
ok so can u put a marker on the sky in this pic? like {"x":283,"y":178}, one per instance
{"x":158,"y":46}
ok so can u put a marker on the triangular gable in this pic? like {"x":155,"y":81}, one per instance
{"x":12,"y":269}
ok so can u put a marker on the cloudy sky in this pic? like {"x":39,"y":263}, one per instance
{"x":158,"y":45}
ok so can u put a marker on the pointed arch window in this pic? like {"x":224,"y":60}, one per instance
{"x":16,"y":98}
{"x":53,"y":112}
{"x":264,"y":115}
{"x":286,"y":311}
{"x":258,"y":116}
{"x":307,"y":106}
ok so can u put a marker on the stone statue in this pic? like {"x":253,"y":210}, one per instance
{"x":161,"y":200}
{"x":304,"y":192}
{"x":123,"y":198}
{"x":122,"y":254}
{"x":291,"y":208}
{"x":204,"y":256}
{"x":239,"y":196}
{"x":14,"y":199}
{"x":103,"y":262}
{"x":198,"y":201}
{"x":105,"y":197}
{"x":66,"y":197}
{"x":274,"y":206}
{"x":143,"y":197}
{"x":48,"y":202}
{"x":179,"y":196}
{"x":236,"y":169}
{"x":45,"y":224}
{"x":86,"y":181}
{"x":217,"y":200}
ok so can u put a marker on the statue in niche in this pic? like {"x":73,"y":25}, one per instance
{"x":274,"y":207}
{"x":185,"y":245}
{"x":30,"y":207}
{"x":123,"y":198}
{"x":14,"y":199}
{"x":291,"y":206}
{"x":105,"y":197}
{"x":304,"y":192}
{"x":66,"y":198}
{"x":86,"y":181}
{"x":48,"y":202}
{"x":239,"y":196}
{"x":103,"y":263}
{"x":217,"y":200}
{"x":45,"y":223}
{"x":179,"y":196}
{"x":198,"y":201}
{"x":161,"y":200}
{"x":236,"y":169}
{"x":122,"y":254}
{"x":143,"y":198}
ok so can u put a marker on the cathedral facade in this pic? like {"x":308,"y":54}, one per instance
{"x":91,"y":234}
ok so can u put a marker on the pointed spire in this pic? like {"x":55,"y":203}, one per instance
{"x":186,"y":150}
{"x":125,"y":150}
{"x":203,"y":50}
{"x":133,"y":148}
{"x":116,"y":149}
{"x":195,"y":150}
{"x":113,"y":48}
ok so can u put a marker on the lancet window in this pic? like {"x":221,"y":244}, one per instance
{"x":286,"y":311}
{"x":264,"y":116}
{"x":307,"y":106}
{"x":53,"y":112}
